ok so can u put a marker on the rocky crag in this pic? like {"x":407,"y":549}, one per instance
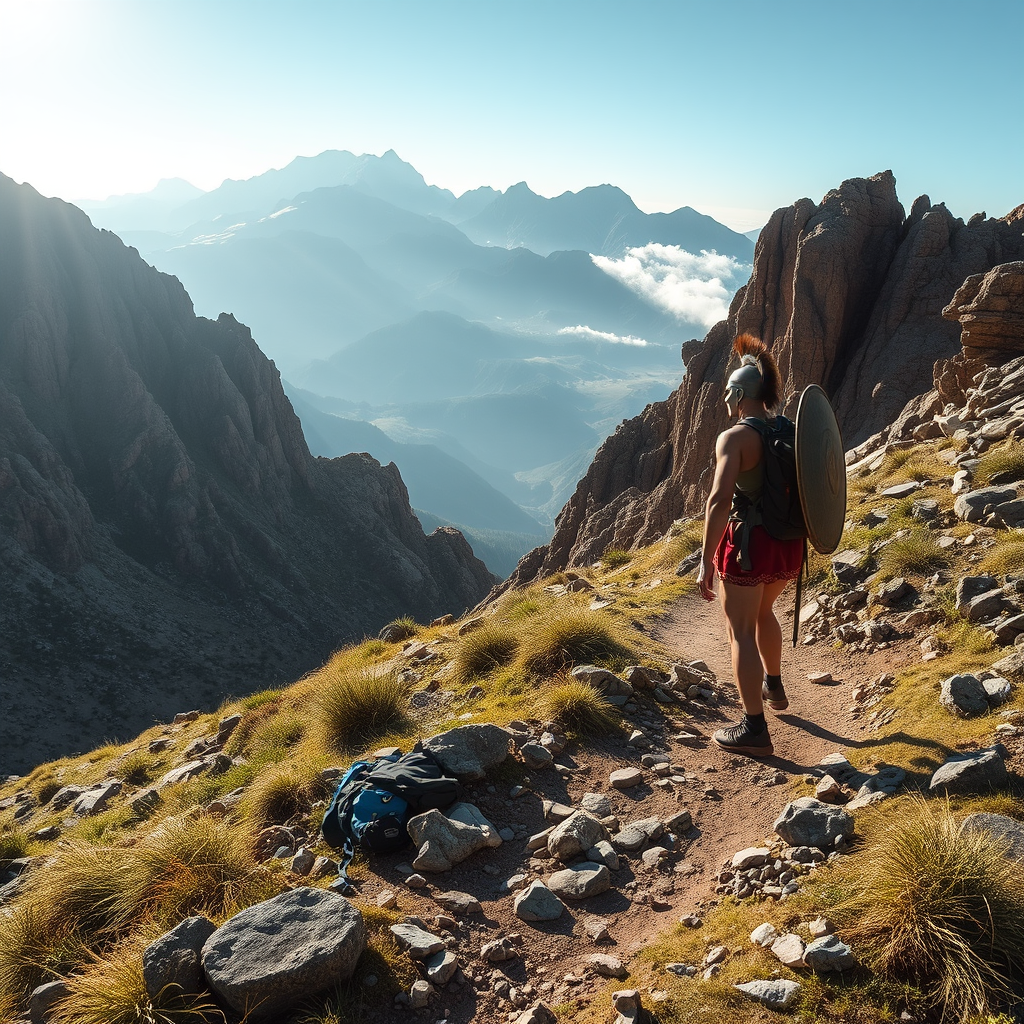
{"x":165,"y":535}
{"x":850,"y":294}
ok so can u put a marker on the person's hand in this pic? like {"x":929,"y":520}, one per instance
{"x":706,"y":579}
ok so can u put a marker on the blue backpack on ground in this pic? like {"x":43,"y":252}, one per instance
{"x":375,"y":800}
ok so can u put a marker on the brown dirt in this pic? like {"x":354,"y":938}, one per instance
{"x":734,"y":802}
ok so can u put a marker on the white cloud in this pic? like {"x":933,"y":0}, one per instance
{"x":697,"y":289}
{"x":590,"y":334}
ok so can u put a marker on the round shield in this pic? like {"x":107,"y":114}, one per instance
{"x":820,"y":470}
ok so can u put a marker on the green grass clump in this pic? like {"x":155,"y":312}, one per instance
{"x":13,"y":843}
{"x":1007,"y":556}
{"x":1005,"y":458}
{"x":136,"y":768}
{"x":402,"y":628}
{"x":493,"y":644}
{"x":572,"y":635}
{"x":578,"y":708}
{"x":615,"y":557}
{"x":943,"y":908}
{"x":917,"y":554}
{"x":281,"y":793}
{"x":351,"y":709}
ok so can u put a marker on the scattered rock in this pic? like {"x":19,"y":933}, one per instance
{"x":44,"y":998}
{"x":419,"y":994}
{"x":809,"y":822}
{"x":538,"y":1013}
{"x":446,"y":839}
{"x":536,"y":756}
{"x":574,"y":836}
{"x":418,"y":942}
{"x":829,"y":954}
{"x":538,"y":903}
{"x":441,"y":966}
{"x":764,"y":934}
{"x":469,"y":751}
{"x":967,"y":774}
{"x":626,"y":778}
{"x":176,"y":957}
{"x":752,"y":857}
{"x":789,"y":949}
{"x":498,"y":950}
{"x":776,"y":995}
{"x":607,"y":966}
{"x":581,"y":881}
{"x":456,"y":902}
{"x":596,"y":804}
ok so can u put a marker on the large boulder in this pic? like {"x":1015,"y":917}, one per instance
{"x":469,"y":751}
{"x":974,"y":506}
{"x":445,"y":839}
{"x":270,"y":956}
{"x":988,"y":308}
{"x":964,"y":695}
{"x":574,"y":836}
{"x":581,"y":880}
{"x":1006,"y":831}
{"x":538,"y":903}
{"x":176,"y":957}
{"x":809,"y":822}
{"x":967,"y":774}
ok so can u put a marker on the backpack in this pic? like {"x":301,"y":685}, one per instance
{"x":375,"y":800}
{"x":779,"y":511}
{"x":782,"y":515}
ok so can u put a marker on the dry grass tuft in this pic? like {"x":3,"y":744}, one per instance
{"x":13,"y":843}
{"x":1007,"y":556}
{"x":353,"y":708}
{"x":572,"y":636}
{"x":1005,"y":458}
{"x":616,"y":557}
{"x":578,"y":708}
{"x":917,"y":554}
{"x":492,"y":645}
{"x":111,"y":990}
{"x":944,"y":908}
{"x":281,"y":793}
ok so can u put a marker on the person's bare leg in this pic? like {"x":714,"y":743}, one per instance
{"x":751,"y":737}
{"x":769,"y":632}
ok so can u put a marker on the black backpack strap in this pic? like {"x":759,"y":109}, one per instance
{"x":799,"y":589}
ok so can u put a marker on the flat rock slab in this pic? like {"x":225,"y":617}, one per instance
{"x":266,"y":958}
{"x":581,"y":881}
{"x":776,"y":995}
{"x":789,"y":949}
{"x":607,"y":966}
{"x":469,"y":751}
{"x":626,"y":778}
{"x":538,"y":903}
{"x":418,"y":942}
{"x":456,"y":902}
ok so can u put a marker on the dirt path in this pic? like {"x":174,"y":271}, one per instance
{"x":733,"y":800}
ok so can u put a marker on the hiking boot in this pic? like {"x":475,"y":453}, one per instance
{"x":774,"y":696}
{"x":740,"y":740}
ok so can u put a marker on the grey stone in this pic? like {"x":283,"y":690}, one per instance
{"x":581,"y":881}
{"x":1004,"y":830}
{"x":498,"y":950}
{"x":901,"y":490}
{"x":470,"y":751}
{"x":44,"y":998}
{"x":596,"y":804}
{"x":144,"y":800}
{"x":417,"y":941}
{"x":419,"y":994}
{"x":536,"y":756}
{"x":809,"y":822}
{"x":65,"y":797}
{"x":537,"y":1013}
{"x":789,"y":949}
{"x":596,"y":928}
{"x":607,"y":966}
{"x":967,"y":774}
{"x":184,"y":772}
{"x":602,"y":680}
{"x":1011,"y":665}
{"x":829,"y":954}
{"x":303,"y":861}
{"x":776,"y":995}
{"x":752,"y":857}
{"x":538,"y":903}
{"x":970,"y":587}
{"x":268,"y":956}
{"x":575,"y":836}
{"x":456,"y":902}
{"x":894,"y":592}
{"x":604,"y":853}
{"x":964,"y":695}
{"x":986,"y":606}
{"x":226,"y":726}
{"x":849,"y":568}
{"x":974,"y":506}
{"x":997,"y":690}
{"x":653,"y":857}
{"x":764,"y":934}
{"x":626,"y":778}
{"x":441,"y":966}
{"x":446,"y":839}
{"x":176,"y":957}
{"x":95,"y":800}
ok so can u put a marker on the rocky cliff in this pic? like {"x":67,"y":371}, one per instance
{"x":850,"y":294}
{"x":165,"y":535}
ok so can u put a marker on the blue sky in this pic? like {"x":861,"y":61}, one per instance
{"x":733,"y":107}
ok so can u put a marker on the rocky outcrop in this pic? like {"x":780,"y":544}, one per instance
{"x":165,"y":535}
{"x":850,"y":294}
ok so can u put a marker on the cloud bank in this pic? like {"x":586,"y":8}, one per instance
{"x":589,"y":334}
{"x":697,"y":289}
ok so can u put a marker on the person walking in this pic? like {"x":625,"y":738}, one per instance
{"x":753,"y":566}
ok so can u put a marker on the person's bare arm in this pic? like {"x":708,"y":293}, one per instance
{"x":728,"y":461}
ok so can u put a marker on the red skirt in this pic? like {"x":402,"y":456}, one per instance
{"x":771,"y":560}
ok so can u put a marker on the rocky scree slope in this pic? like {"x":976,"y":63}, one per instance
{"x":160,"y":513}
{"x":850,"y":294}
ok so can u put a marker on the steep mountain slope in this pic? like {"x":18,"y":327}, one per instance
{"x":850,"y":294}
{"x":601,"y":219}
{"x":159,"y":506}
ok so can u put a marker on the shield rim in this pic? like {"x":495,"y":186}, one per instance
{"x":816,"y":542}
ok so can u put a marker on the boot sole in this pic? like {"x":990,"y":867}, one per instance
{"x":777,"y":705}
{"x":758,"y":751}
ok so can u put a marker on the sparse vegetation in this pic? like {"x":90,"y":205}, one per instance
{"x":402,"y":628}
{"x":571,"y":635}
{"x":1007,"y":458}
{"x":352,"y":708}
{"x":13,"y":843}
{"x":579,"y":708}
{"x":943,"y":907}
{"x":494,"y":643}
{"x":282,"y":792}
{"x":616,"y":557}
{"x":1007,"y":556}
{"x":915,"y":554}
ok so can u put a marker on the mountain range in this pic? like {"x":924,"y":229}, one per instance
{"x":483,"y":324}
